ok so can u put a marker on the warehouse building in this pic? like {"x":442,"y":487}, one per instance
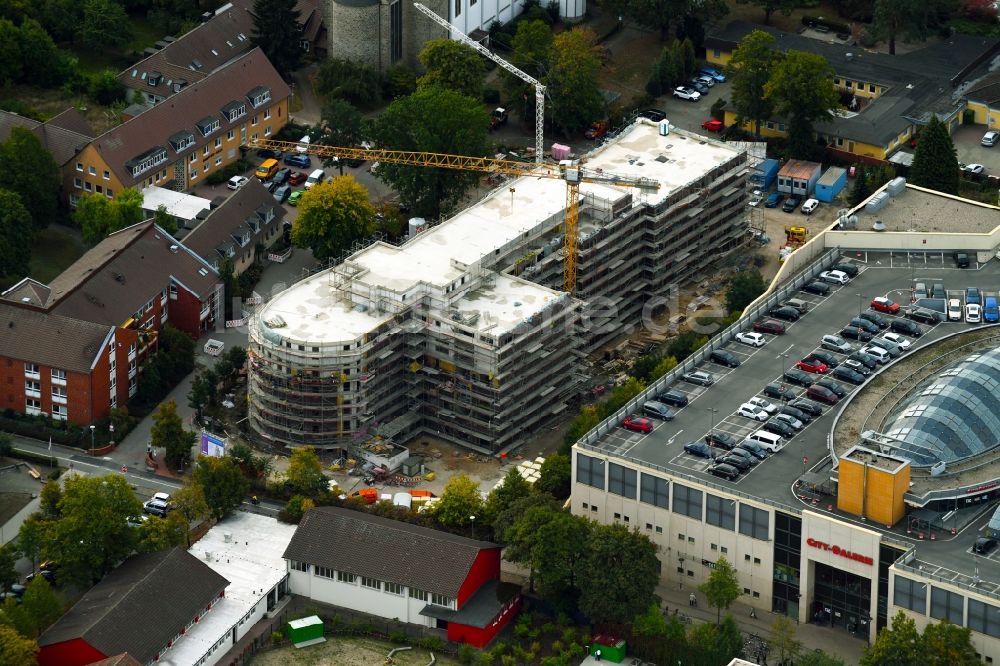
{"x":463,"y":332}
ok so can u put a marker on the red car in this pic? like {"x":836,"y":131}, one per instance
{"x":811,"y":364}
{"x":822,"y":394}
{"x":597,"y":130}
{"x":637,"y":423}
{"x":769,"y":326}
{"x":883,"y":304}
{"x":297,"y":178}
{"x":713,"y":125}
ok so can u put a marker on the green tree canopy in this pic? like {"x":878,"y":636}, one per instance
{"x":9,"y":556}
{"x":722,"y":587}
{"x":935,"y":162}
{"x":513,"y":488}
{"x":223,"y":484}
{"x":169,"y":433}
{"x":332,"y":216}
{"x":459,"y":500}
{"x":189,"y":503}
{"x":99,"y":216}
{"x":278,"y":32}
{"x":16,"y":234}
{"x":818,"y":658}
{"x":895,"y":645}
{"x":105,"y":24}
{"x":744,"y":287}
{"x":453,"y":65}
{"x":340,"y":125}
{"x":946,"y":644}
{"x":10,"y":53}
{"x":358,"y":83}
{"x":156,"y":534}
{"x":436,"y":120}
{"x":749,"y":70}
{"x":36,"y":179}
{"x":559,"y":555}
{"x":531,"y":49}
{"x":619,"y":574}
{"x":771,"y":6}
{"x":573,"y":84}
{"x":555,"y":476}
{"x":783,"y":644}
{"x":715,"y":644}
{"x":42,"y":63}
{"x":802,"y":91}
{"x":16,"y":649}
{"x":305,"y":472}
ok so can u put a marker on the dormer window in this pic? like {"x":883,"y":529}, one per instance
{"x":179,"y":85}
{"x":259,"y":96}
{"x":234,"y":110}
{"x":181,"y":140}
{"x":196,"y":65}
{"x":208,"y":125}
{"x":154,"y":78}
{"x":146,"y":161}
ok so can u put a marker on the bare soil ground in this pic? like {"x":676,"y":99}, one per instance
{"x":348,"y":651}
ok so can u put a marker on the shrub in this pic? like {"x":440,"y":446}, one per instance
{"x":491,"y":96}
{"x":398,"y":636}
{"x":466,"y":654}
{"x":222,"y":175}
{"x":277,"y":637}
{"x":432,"y":643}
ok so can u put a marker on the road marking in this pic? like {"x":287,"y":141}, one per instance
{"x":676,"y":435}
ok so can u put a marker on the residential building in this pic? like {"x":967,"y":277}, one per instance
{"x":63,"y":136}
{"x":178,"y":143}
{"x":247,"y":220}
{"x":365,"y":563}
{"x":983,"y":99}
{"x":886,"y":98}
{"x":109,"y":619}
{"x":462,"y":313}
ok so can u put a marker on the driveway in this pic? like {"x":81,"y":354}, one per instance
{"x":966,"y":139}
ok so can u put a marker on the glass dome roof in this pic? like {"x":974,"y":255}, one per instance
{"x":953,"y":415}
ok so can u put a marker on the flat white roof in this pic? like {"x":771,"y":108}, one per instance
{"x":180,"y":205}
{"x":251,"y":561}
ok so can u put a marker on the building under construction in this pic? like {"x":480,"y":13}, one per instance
{"x":456,"y":334}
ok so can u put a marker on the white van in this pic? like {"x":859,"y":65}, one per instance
{"x":766,"y":440}
{"x":316,"y":176}
{"x":303,"y":146}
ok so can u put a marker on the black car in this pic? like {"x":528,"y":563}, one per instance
{"x":848,"y":375}
{"x":791,"y":203}
{"x":721,"y":440}
{"x":795,"y":412}
{"x":830,"y":360}
{"x":865,"y":325}
{"x":962,"y":259}
{"x":267,"y":152}
{"x":48,"y":575}
{"x":846,"y":267}
{"x":699,"y":86}
{"x":282,"y":193}
{"x":855,"y":333}
{"x":875,"y":318}
{"x":725,"y":471}
{"x":745,"y":454}
{"x":779,"y":428}
{"x":723,"y":357}
{"x":818,"y":288}
{"x":784,"y":312}
{"x":906,"y":327}
{"x":832,"y":386}
{"x":673,"y":398}
{"x":858,"y":367}
{"x":737,"y":461}
{"x":282,"y":176}
{"x":807,"y":406}
{"x":654,"y":114}
{"x":769,"y":326}
{"x":864,"y":359}
{"x":924,"y":316}
{"x":798,"y":377}
{"x":756,"y":450}
{"x":271,"y":185}
{"x":984,"y":545}
{"x":700,"y":449}
{"x":779,"y":392}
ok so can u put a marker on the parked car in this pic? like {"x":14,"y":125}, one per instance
{"x":779,"y":392}
{"x":763,"y":404}
{"x":990,"y":139}
{"x":972,"y":295}
{"x":864,"y":359}
{"x":791,"y":203}
{"x":750,"y":458}
{"x":683,"y":92}
{"x":962,"y":259}
{"x":812,"y":364}
{"x":897,"y":339}
{"x":796,"y":376}
{"x":954,"y":309}
{"x":817,"y":288}
{"x":736,"y":460}
{"x":924,"y":316}
{"x":790,"y":420}
{"x":281,"y":177}
{"x":801,"y":415}
{"x":883,"y":304}
{"x":822,"y":394}
{"x":984,"y":545}
{"x":282,"y":193}
{"x":973,"y":169}
{"x":807,"y":406}
{"x":706,"y":81}
{"x":298,"y":160}
{"x":830,"y":360}
{"x":991,"y":313}
{"x":656,"y":115}
{"x":798,"y":304}
{"x":831,"y":385}
{"x":779,"y":428}
{"x":894,"y":350}
{"x":847,"y":267}
{"x":784,"y":312}
{"x":267,"y":152}
{"x":836,"y":343}
{"x":637,"y":423}
{"x":878,"y":353}
{"x":769,"y":326}
{"x":858,"y":367}
{"x":751,"y":339}
{"x":296,"y":178}
{"x":973,"y":314}
{"x":834,"y":277}
{"x":864,"y":325}
{"x":725,"y":471}
{"x":657,"y":410}
{"x":906,"y":327}
{"x":774,"y":199}
{"x":713,"y":125}
{"x":920,"y":290}
{"x":754,"y":412}
{"x":848,"y":375}
{"x":293,"y":198}
{"x":755,"y":198}
{"x":855,"y":333}
{"x":721,"y":440}
{"x":723,"y":357}
{"x":699,"y":377}
{"x":236,"y":182}
{"x":875,"y":318}
{"x":938,"y":290}
{"x":810,"y":206}
{"x":673,"y":398}
{"x":700,"y":449}
{"x":754,"y":449}
{"x":714,"y":73}
{"x":699,"y":85}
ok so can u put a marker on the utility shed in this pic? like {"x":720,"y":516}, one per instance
{"x":798,"y":177}
{"x":305,"y":630}
{"x":830,"y":184}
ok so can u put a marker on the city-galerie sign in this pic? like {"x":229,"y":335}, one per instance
{"x":837,"y":550}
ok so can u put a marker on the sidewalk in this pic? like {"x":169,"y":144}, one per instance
{"x":813,"y":637}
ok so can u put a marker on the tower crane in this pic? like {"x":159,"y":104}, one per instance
{"x":539,"y":87}
{"x":572,"y":173}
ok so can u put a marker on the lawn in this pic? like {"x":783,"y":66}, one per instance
{"x":54,"y":250}
{"x":348,"y":651}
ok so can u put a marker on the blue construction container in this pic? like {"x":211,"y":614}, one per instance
{"x":831,"y":183}
{"x":763,"y":177}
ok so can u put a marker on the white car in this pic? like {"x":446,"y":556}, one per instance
{"x":990,"y":139}
{"x":687,"y":93}
{"x":898,"y":340}
{"x":973,"y":313}
{"x":954,"y":309}
{"x":809,"y":207}
{"x":834,"y":277}
{"x":974,"y":169}
{"x":790,"y":420}
{"x":236,"y":182}
{"x":763,"y":404}
{"x":756,"y":198}
{"x":751,"y":338}
{"x":752,"y":412}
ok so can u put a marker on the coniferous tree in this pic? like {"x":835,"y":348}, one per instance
{"x":935,"y":162}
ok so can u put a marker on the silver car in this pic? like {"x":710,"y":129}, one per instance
{"x":698,"y":377}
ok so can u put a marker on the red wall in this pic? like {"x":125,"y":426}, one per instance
{"x":486,"y":567}
{"x":82,"y":400}
{"x":75,"y":652}
{"x":184,"y":312}
{"x":476,"y":637}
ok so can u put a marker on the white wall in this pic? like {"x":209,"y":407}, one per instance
{"x":481,"y":14}
{"x":358,"y":598}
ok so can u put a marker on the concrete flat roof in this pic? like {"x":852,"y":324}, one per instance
{"x":927,"y":211}
{"x":251,"y":560}
{"x":180,"y":205}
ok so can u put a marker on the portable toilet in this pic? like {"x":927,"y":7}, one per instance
{"x":305,"y":630}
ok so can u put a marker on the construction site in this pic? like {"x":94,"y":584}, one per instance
{"x":466,"y":331}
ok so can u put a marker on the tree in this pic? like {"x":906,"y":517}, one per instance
{"x":801,"y":88}
{"x":744,"y":287}
{"x":158,"y":534}
{"x":861,"y":190}
{"x":713,"y":644}
{"x":355,"y":82}
{"x":555,"y":476}
{"x":16,"y":649}
{"x":9,"y":555}
{"x":16,"y":233}
{"x":513,"y":488}
{"x":935,"y":162}
{"x":10,"y":53}
{"x":530,"y":51}
{"x":783,"y":644}
{"x":573,"y":84}
{"x":92,"y":535}
{"x":722,"y":587}
{"x":916,"y":20}
{"x":99,"y":216}
{"x":105,"y":24}
{"x":278,"y":32}
{"x":201,"y":393}
{"x":39,"y":608}
{"x":619,"y":574}
{"x":945,"y":644}
{"x":896,"y":645}
{"x":770,"y":6}
{"x":189,"y":503}
{"x":749,"y":70}
{"x":458,"y":502}
{"x":305,"y":472}
{"x":436,"y":120}
{"x":223,"y":483}
{"x":30,"y":537}
{"x":42,"y":63}
{"x":452,"y":65}
{"x":164,"y":220}
{"x":558,"y":558}
{"x":36,"y":179}
{"x":168,"y":433}
{"x":340,"y":125}
{"x":332,"y":217}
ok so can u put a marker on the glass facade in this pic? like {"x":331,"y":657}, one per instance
{"x":621,"y":480}
{"x":953,"y":415}
{"x":655,"y":491}
{"x":841,"y":599}
{"x":787,"y":555}
{"x":590,"y":471}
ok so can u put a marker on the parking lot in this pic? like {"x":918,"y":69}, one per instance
{"x":716,"y":407}
{"x":971,"y":151}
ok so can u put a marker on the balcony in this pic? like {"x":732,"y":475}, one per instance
{"x":59,"y":381}
{"x":32,"y":374}
{"x":131,"y":353}
{"x":131,"y":373}
{"x":205,"y":309}
{"x":32,"y":393}
{"x":58,"y":399}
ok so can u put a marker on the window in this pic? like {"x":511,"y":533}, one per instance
{"x":87,"y":186}
{"x":441,"y":600}
{"x":323,"y":572}
{"x":32,"y":405}
{"x":267,"y":131}
{"x":396,"y":31}
{"x":31,"y":369}
{"x":79,"y":166}
{"x":92,"y":171}
{"x":33,"y":388}
{"x":107,"y":175}
{"x":218,"y":161}
{"x":59,"y":412}
{"x":373,"y":583}
{"x":655,"y":491}
{"x":687,"y":501}
{"x":621,"y":480}
{"x":394,"y":588}
{"x":58,"y":375}
{"x":753,"y":522}
{"x":230,"y":135}
{"x":218,"y":141}
{"x":146,"y":161}
{"x":590,"y":471}
{"x":871,"y":87}
{"x":206,"y":150}
{"x":254,"y":120}
{"x":234,"y":110}
{"x":659,"y":530}
{"x":77,"y":183}
{"x":298,"y":566}
{"x":344,"y":577}
{"x":267,"y":114}
{"x":418,"y":594}
{"x":720,"y":512}
{"x":458,"y":8}
{"x":984,"y":618}
{"x":110,"y":193}
{"x":208,"y":125}
{"x":59,"y":394}
{"x":947,"y":605}
{"x":716,"y":53}
{"x":912,"y":595}
{"x":99,"y":189}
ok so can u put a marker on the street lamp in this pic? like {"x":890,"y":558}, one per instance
{"x":92,"y":445}
{"x":714,"y":411}
{"x":859,"y":303}
{"x":784,"y":362}
{"x":473,"y":519}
